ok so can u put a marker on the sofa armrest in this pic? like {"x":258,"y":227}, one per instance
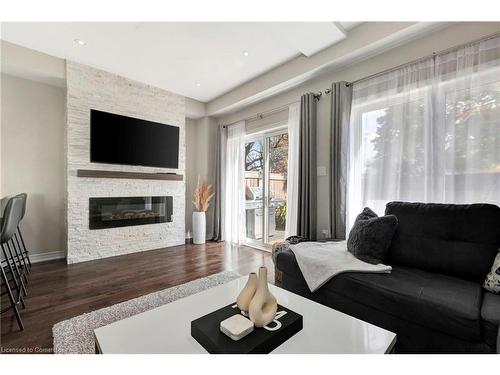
{"x":490,"y":311}
{"x":277,"y":248}
{"x":287,"y":263}
{"x":498,"y":341}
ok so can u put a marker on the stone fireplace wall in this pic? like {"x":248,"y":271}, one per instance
{"x":89,"y":88}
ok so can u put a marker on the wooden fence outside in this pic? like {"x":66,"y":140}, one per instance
{"x":277,"y":181}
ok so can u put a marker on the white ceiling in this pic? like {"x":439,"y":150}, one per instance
{"x":198,"y":60}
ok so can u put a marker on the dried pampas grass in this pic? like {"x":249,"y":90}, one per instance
{"x":202,"y":196}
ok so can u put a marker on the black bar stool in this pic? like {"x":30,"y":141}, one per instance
{"x":20,"y":256}
{"x":12,"y":216}
{"x":10,"y":271}
{"x":24,"y":253}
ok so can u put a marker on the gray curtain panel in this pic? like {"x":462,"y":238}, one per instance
{"x":340,"y":117}
{"x":217,"y":231}
{"x":307,"y":192}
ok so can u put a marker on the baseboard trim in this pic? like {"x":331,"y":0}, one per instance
{"x":43,"y":257}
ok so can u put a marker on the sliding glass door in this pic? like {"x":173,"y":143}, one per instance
{"x":266,"y":173}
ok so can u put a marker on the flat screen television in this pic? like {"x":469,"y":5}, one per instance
{"x":117,"y":139}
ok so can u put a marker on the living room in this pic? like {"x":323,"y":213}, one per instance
{"x":286,"y":186}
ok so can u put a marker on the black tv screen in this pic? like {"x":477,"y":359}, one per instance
{"x":117,"y":139}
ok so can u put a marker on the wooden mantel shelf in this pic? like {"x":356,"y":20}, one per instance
{"x":94,"y":173}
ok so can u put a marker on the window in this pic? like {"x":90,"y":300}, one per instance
{"x":472,"y":144}
{"x":428,"y":132}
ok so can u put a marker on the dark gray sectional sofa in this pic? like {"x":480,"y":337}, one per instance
{"x":433,"y":299}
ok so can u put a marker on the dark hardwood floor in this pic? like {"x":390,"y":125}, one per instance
{"x":58,"y":291}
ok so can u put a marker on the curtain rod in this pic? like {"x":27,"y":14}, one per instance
{"x":433,"y":54}
{"x":261,"y":115}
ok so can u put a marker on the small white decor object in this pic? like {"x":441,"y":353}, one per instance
{"x":263,"y":307}
{"x":236,"y":327}
{"x":199,"y":228}
{"x":247,"y":293}
{"x":201,"y":200}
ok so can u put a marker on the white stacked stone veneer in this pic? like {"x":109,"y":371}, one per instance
{"x":89,"y":88}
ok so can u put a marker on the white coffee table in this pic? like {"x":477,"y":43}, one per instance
{"x":167,"y":329}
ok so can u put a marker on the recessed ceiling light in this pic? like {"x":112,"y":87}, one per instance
{"x":80,"y":42}
{"x":245,"y":53}
{"x":198,"y":84}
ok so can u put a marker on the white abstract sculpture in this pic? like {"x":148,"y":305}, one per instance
{"x":263,"y":306}
{"x":247,"y":293}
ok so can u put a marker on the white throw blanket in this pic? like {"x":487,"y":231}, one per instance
{"x":320,"y":261}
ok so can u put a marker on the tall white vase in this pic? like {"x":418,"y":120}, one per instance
{"x":199,"y":228}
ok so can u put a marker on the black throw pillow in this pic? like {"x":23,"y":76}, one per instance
{"x":371,"y":236}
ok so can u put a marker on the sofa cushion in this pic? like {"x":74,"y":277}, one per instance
{"x":455,"y":240}
{"x":490,"y":310}
{"x":435,"y":301}
{"x":371,"y":236}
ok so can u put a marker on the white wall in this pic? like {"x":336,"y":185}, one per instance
{"x":33,"y":65}
{"x":191,"y":171}
{"x":200,"y":161}
{"x":453,"y":35}
{"x":32,"y":160}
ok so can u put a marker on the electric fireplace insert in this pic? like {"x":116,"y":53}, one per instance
{"x":127,"y":211}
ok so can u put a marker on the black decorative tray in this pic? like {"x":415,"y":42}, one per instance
{"x":206,"y":330}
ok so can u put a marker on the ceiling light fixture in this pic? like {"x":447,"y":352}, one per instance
{"x":80,"y":42}
{"x":198,"y":84}
{"x":245,"y":53}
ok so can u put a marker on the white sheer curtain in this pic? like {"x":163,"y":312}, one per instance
{"x":234,"y":198}
{"x":428,"y":132}
{"x":468,"y":124}
{"x":292,"y":189}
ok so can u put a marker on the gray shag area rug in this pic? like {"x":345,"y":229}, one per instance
{"x":76,"y":335}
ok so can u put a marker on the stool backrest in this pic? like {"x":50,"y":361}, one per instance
{"x":24,"y":196}
{"x":11,"y":217}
